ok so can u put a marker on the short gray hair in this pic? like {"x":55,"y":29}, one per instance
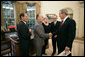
{"x":64,"y":11}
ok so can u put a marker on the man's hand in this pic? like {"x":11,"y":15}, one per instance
{"x":55,"y":36}
{"x":50,"y":35}
{"x":30,"y":30}
{"x":67,"y":48}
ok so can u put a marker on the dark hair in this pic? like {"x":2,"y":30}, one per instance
{"x":21,"y":15}
{"x":37,"y":16}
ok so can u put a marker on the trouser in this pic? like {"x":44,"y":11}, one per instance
{"x":61,"y":47}
{"x":38,"y":48}
{"x":44,"y":47}
{"x":24,"y":50}
{"x":54,"y":45}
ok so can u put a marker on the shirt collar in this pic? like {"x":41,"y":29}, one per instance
{"x":24,"y":21}
{"x":65,"y":18}
{"x":55,"y":22}
{"x":39,"y":22}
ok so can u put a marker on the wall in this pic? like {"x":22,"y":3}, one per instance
{"x":53,"y":7}
{"x":20,"y":6}
{"x":78,"y":48}
{"x":2,"y":18}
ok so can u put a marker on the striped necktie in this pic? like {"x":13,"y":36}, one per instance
{"x":61,"y":23}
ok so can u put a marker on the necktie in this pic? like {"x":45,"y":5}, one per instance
{"x":61,"y":23}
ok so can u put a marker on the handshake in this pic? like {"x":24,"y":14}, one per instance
{"x":50,"y":35}
{"x":30,"y":30}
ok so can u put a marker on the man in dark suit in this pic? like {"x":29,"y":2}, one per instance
{"x":66,"y":33}
{"x":54,"y":29}
{"x":24,"y":35}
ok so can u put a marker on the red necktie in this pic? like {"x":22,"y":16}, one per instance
{"x":61,"y":23}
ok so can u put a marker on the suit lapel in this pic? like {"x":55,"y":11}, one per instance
{"x":65,"y":23}
{"x":24,"y":24}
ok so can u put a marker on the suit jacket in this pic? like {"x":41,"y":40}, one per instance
{"x":46,"y":28}
{"x":39,"y":34}
{"x":23,"y":33}
{"x":55,"y":27}
{"x":67,"y":33}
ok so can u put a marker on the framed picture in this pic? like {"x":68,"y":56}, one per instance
{"x":50,"y":16}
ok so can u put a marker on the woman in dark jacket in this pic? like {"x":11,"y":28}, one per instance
{"x":47,"y":30}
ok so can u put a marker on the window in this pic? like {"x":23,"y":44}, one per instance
{"x":31,"y":8}
{"x":8,"y":13}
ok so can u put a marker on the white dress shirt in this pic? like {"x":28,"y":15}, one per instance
{"x":23,"y":21}
{"x":65,"y":19}
{"x":55,"y":22}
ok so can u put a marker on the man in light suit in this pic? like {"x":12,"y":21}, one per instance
{"x":66,"y":32}
{"x":40,"y":35}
